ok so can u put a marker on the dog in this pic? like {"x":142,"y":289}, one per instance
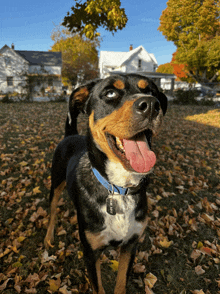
{"x":106,"y":172}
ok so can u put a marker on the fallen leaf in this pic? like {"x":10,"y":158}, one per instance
{"x":54,"y":284}
{"x":4,"y":285}
{"x":45,"y":257}
{"x":17,"y":264}
{"x":150,"y":280}
{"x":33,"y":280}
{"x":64,"y":290}
{"x":36,"y":190}
{"x":199,"y":245}
{"x":23,"y":163}
{"x":17,"y":288}
{"x":62,"y":232}
{"x":80,"y":254}
{"x":21,"y":238}
{"x":206,"y":250}
{"x":148,"y":290}
{"x":139,"y":268}
{"x":114,"y":265}
{"x":165,"y":243}
{"x":195,"y":254}
{"x":199,"y":270}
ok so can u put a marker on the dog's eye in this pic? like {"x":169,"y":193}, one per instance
{"x":111,"y":94}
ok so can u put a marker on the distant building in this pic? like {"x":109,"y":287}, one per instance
{"x":136,"y":60}
{"x":14,"y":64}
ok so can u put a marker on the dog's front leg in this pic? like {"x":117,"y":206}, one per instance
{"x":126,"y":259}
{"x":93,"y":244}
{"x":55,"y":195}
{"x":94,"y":270}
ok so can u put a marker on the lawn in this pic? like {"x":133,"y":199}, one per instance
{"x":180,"y":252}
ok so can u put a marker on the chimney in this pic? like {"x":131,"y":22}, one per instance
{"x":12,"y":46}
{"x":131,"y":47}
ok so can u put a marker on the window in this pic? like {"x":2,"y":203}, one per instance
{"x":38,"y":81}
{"x":7,"y":60}
{"x":50,"y":81}
{"x":10,"y":81}
{"x":139,"y":63}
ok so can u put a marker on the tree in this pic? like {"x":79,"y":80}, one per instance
{"x":165,"y":68}
{"x":87,"y":17}
{"x":180,"y":70}
{"x":79,"y":55}
{"x":194,"y":28}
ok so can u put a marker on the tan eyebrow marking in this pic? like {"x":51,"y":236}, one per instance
{"x":119,"y":85}
{"x":142,"y":84}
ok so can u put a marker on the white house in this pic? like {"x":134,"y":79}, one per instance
{"x":14,"y":64}
{"x":135,"y":60}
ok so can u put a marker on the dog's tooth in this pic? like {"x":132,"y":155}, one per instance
{"x":119,"y":144}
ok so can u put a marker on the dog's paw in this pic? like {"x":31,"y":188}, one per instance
{"x":47,"y":243}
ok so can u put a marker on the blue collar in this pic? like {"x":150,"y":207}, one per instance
{"x":111,"y":188}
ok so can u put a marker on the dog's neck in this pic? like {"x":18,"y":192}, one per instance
{"x":118,"y":175}
{"x":109,"y":186}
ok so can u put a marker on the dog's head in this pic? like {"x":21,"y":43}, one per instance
{"x":124,"y":112}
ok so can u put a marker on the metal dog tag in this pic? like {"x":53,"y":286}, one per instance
{"x":111,"y":204}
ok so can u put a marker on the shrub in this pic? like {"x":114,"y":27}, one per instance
{"x":186,"y":97}
{"x":7,"y":99}
{"x":207,"y":102}
{"x":57,"y":98}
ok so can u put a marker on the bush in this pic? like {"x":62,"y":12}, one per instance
{"x":57,"y":98}
{"x":207,"y":102}
{"x":60,"y":98}
{"x":186,"y":97}
{"x":7,"y":99}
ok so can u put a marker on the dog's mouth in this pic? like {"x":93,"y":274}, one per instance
{"x":134,"y":153}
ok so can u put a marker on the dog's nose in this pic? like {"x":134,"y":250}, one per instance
{"x":147,"y":106}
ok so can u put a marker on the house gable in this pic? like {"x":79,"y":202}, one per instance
{"x":140,"y":60}
{"x":6,"y":51}
{"x":134,"y":60}
{"x":12,"y":65}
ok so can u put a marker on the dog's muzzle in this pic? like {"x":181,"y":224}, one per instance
{"x":146,"y":107}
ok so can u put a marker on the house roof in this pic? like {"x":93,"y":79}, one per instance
{"x":115,"y":59}
{"x":41,"y":57}
{"x":38,"y":57}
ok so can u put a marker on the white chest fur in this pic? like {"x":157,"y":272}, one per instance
{"x":119,"y":176}
{"x":122,"y":226}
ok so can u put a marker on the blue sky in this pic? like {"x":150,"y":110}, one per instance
{"x":28,"y":24}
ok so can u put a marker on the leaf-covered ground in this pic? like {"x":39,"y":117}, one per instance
{"x":180,"y":252}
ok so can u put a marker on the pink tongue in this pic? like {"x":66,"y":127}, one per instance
{"x":138,"y":153}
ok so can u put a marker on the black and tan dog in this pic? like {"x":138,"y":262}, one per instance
{"x":106,"y":171}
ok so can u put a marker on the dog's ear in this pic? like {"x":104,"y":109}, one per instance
{"x":80,"y":96}
{"x":163,"y":102}
{"x":77,"y":103}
